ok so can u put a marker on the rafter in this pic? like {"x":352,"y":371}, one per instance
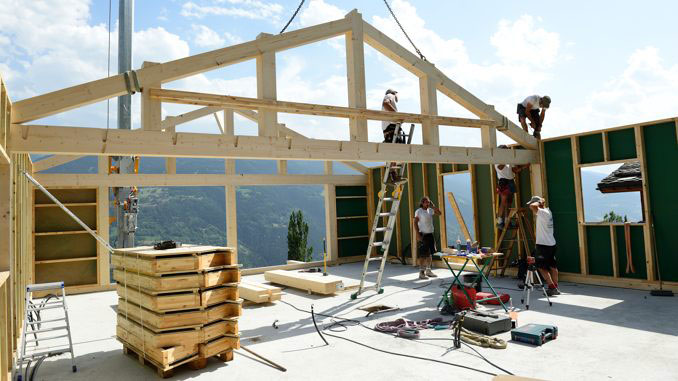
{"x":96,"y":141}
{"x":54,"y":161}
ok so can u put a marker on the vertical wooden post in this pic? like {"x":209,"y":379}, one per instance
{"x":355,"y":74}
{"x":488,"y":136}
{"x":282,"y":167}
{"x":581,"y":228}
{"x":332,"y":244}
{"x":103,"y":256}
{"x":613,"y":245}
{"x":151,"y":109}
{"x":230,"y":190}
{"x":441,"y":205}
{"x":429,"y":106}
{"x":410,"y":202}
{"x":171,"y":162}
{"x":5,"y":217}
{"x":267,"y":89}
{"x":645,"y":194}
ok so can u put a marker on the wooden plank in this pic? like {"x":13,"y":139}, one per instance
{"x":613,"y":245}
{"x":266,"y":90}
{"x":163,"y":358}
{"x":155,"y":262}
{"x":151,"y":109}
{"x":330,"y":193}
{"x":355,"y":75}
{"x":311,"y":282}
{"x":158,"y":321}
{"x":103,"y":227}
{"x":229,"y":101}
{"x":410,"y":203}
{"x":219,"y":345}
{"x":188,"y":116}
{"x":428,"y":96}
{"x":169,"y":180}
{"x":176,"y":301}
{"x":91,"y":92}
{"x":460,"y":218}
{"x":259,"y":293}
{"x":75,"y":140}
{"x":583,"y":250}
{"x":178,"y":281}
{"x":441,"y":204}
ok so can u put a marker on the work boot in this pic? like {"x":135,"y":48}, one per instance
{"x":430,"y":273}
{"x":537,"y":134}
{"x":422,"y":275}
{"x":551,"y":292}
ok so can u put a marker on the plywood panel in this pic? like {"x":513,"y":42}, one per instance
{"x":66,"y":246}
{"x":599,"y":250}
{"x":71,"y":273}
{"x":54,"y":219}
{"x":591,"y":148}
{"x":622,"y":144}
{"x":66,"y":196}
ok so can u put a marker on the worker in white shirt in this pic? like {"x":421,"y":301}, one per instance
{"x":506,"y":188}
{"x":426,"y":242}
{"x":390,"y":103}
{"x":530,"y":109}
{"x":545,"y":250}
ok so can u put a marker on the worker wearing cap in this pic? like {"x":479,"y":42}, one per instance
{"x":390,"y":103}
{"x":545,"y":251}
{"x":530,"y":109}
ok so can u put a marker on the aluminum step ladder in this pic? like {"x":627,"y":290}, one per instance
{"x":391,"y":191}
{"x":49,"y":316}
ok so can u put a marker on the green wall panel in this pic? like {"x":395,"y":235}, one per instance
{"x":661,"y":152}
{"x":417,"y":180}
{"x":349,"y":207}
{"x":405,"y":224}
{"x":432,"y":184}
{"x":447,"y":168}
{"x":353,"y":246}
{"x":591,"y":148}
{"x":637,"y":252}
{"x":462,"y":167}
{"x":599,"y":250}
{"x":352,"y":227}
{"x":622,"y":144}
{"x":560,"y":184}
{"x":351,"y":191}
{"x":483,"y":201}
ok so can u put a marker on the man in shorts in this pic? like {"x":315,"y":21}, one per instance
{"x":545,"y":251}
{"x":426,"y":242}
{"x":506,"y":188}
{"x":529,"y":109}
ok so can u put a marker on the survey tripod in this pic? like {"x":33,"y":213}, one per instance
{"x":391,"y":192}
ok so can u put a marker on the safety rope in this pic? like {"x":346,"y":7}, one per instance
{"x":293,"y":16}
{"x":405,"y":33}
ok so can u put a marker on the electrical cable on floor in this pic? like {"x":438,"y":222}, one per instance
{"x":316,"y":326}
{"x":344,"y":325}
{"x":430,"y":282}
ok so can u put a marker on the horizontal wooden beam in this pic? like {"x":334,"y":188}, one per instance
{"x":228,"y":101}
{"x":188,"y":116}
{"x":54,"y":161}
{"x":66,"y":99}
{"x":97,"y":141}
{"x":169,"y":180}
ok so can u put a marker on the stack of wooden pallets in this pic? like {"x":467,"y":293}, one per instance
{"x":177,"y":306}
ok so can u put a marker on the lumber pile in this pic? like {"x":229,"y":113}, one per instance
{"x":309,"y":282}
{"x":177,"y":306}
{"x":259,"y":293}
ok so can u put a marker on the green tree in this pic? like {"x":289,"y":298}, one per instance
{"x":297,"y":238}
{"x":614,"y":217}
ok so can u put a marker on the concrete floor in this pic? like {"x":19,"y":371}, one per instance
{"x":604,"y":333}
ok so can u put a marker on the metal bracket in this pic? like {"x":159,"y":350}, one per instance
{"x":132,"y":82}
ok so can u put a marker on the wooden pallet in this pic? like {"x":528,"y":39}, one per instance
{"x":160,"y":321}
{"x":180,"y":281}
{"x":259,"y":293}
{"x":168,"y":360}
{"x":146,"y":260}
{"x":178,"y":300}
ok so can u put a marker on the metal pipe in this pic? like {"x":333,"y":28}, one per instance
{"x":65,"y":209}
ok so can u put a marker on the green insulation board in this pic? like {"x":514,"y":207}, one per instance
{"x":561,"y":197}
{"x":637,"y":252}
{"x":622,"y":144}
{"x":591,"y":148}
{"x":343,"y":191}
{"x":349,"y":207}
{"x":405,"y":224}
{"x":352,"y":202}
{"x":432,"y":184}
{"x":599,"y":249}
{"x":352,"y":246}
{"x":661,"y":157}
{"x":447,"y":168}
{"x":351,"y":227}
{"x":484,"y":204}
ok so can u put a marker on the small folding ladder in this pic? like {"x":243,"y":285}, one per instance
{"x":36,"y":323}
{"x":390,"y":192}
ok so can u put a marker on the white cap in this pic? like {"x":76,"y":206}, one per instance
{"x":535,"y":199}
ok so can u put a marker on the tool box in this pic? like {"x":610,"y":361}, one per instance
{"x":486,"y":323}
{"x":535,"y":334}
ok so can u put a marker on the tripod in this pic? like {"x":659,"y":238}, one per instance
{"x":529,"y":283}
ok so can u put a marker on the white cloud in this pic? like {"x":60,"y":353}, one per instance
{"x":523,"y":42}
{"x":206,"y":37}
{"x":318,"y":12}
{"x":250,"y":9}
{"x":157,"y":45}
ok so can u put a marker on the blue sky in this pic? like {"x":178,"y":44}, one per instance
{"x":604,"y":63}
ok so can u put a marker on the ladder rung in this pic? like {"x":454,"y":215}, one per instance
{"x":371,"y":272}
{"x":46,"y":338}
{"x":372,"y":259}
{"x":379,"y":244}
{"x":386,"y":214}
{"x":48,"y":321}
{"x":389,"y":198}
{"x":45,"y":330}
{"x":382,"y":229}
{"x":54,"y":303}
{"x":29,"y":308}
{"x":371,"y":287}
{"x":51,"y":353}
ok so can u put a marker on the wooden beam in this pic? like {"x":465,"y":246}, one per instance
{"x":460,"y":218}
{"x":488,"y":137}
{"x":332,"y":243}
{"x":90,"y":141}
{"x":189,"y":116}
{"x":4,"y":158}
{"x":267,"y":90}
{"x":441,"y":204}
{"x":151,"y":111}
{"x":355,"y":75}
{"x":91,"y":92}
{"x":428,"y":96}
{"x":103,"y":226}
{"x":647,"y":212}
{"x":229,"y":101}
{"x":54,"y":161}
{"x":5,"y":217}
{"x":230,"y":190}
{"x":167,"y":180}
